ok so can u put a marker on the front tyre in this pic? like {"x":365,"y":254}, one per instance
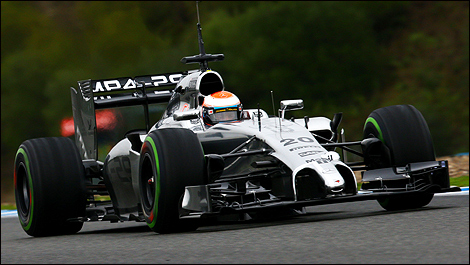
{"x":49,"y":183}
{"x":403,"y":129}
{"x":170,"y":159}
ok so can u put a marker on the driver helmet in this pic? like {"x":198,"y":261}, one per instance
{"x":222,"y":106}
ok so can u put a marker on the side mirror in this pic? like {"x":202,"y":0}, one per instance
{"x":335,"y":122}
{"x":186,"y":115}
{"x":334,"y":125}
{"x":294,"y":104}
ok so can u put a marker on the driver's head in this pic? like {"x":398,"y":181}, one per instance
{"x":222,"y":106}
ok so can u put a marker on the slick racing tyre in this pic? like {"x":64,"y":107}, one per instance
{"x":403,"y":129}
{"x":170,"y":159}
{"x":49,"y":186}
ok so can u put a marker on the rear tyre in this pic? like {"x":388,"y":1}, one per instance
{"x":170,"y":159}
{"x":403,"y":129}
{"x":49,"y":186}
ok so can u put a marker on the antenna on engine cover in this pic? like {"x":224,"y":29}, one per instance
{"x":202,"y":51}
{"x":203,"y":59}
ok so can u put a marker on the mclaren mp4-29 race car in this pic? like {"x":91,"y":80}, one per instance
{"x":209,"y":158}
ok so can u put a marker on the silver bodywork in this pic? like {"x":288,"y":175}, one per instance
{"x":290,"y":141}
{"x":261,"y":160}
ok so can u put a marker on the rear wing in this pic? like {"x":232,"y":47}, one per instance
{"x":127,"y":91}
{"x":112,"y":93}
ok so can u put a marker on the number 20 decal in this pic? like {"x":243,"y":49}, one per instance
{"x":290,"y":141}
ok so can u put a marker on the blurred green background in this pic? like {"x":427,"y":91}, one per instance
{"x":350,"y":57}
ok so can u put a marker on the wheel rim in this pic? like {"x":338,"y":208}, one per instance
{"x":23,"y":190}
{"x":148,"y":184}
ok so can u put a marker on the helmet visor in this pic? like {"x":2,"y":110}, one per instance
{"x":223,"y":114}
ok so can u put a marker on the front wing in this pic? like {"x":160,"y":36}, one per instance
{"x":415,"y":178}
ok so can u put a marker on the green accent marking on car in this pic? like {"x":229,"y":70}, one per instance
{"x":157,"y":182}
{"x":374,"y":122}
{"x":30,"y":182}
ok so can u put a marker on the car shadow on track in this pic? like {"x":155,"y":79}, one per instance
{"x":138,"y":228}
{"x":309,"y":217}
{"x":218,"y":226}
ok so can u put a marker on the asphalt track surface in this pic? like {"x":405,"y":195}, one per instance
{"x":358,"y":232}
